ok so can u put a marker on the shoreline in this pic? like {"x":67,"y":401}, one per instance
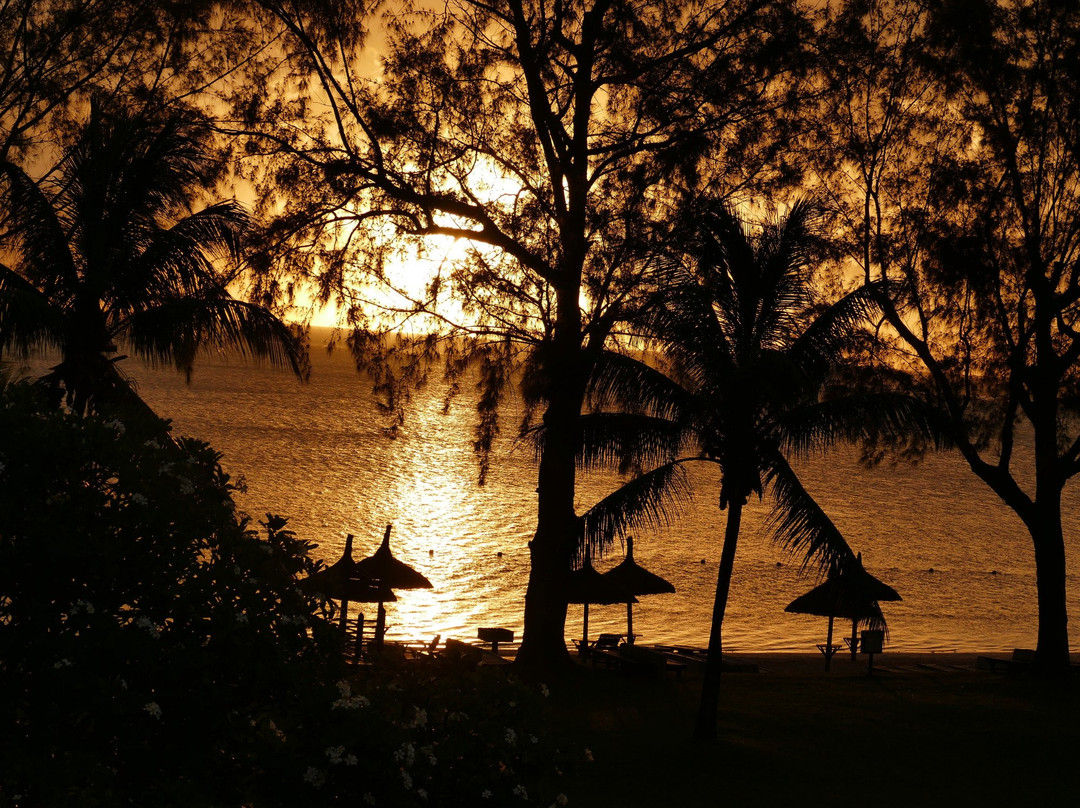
{"x":812,"y":662}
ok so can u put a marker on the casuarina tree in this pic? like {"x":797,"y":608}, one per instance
{"x":949,"y":132}
{"x":548,"y":137}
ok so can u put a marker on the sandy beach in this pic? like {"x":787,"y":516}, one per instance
{"x":923,"y":730}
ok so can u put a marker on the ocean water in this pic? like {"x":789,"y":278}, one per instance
{"x":320,"y":454}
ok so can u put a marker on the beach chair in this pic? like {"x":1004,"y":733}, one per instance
{"x":606,"y":650}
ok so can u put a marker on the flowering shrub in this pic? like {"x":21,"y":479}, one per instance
{"x":148,"y":637}
{"x":430,"y":733}
{"x":155,"y":650}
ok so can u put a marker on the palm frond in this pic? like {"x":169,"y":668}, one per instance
{"x":698,"y":335}
{"x":825,"y":338}
{"x":45,"y":258}
{"x":218,"y":229}
{"x":866,"y":417}
{"x":649,"y":501}
{"x":628,"y":441}
{"x":175,"y":331}
{"x":27,"y":321}
{"x":782,"y":255}
{"x":129,"y":168}
{"x":799,"y":524}
{"x":628,"y":383}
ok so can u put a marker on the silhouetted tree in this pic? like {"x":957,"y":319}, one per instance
{"x":56,"y":54}
{"x":110,"y":253}
{"x":549,"y":136}
{"x":749,"y":370}
{"x":951,"y":134}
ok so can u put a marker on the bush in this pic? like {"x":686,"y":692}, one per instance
{"x":155,"y":650}
{"x":148,"y":638}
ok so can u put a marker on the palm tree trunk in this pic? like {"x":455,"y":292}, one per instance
{"x":705,"y":728}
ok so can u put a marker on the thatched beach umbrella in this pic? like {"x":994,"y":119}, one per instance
{"x":853,"y":594}
{"x":391,"y":573}
{"x":585,"y":586}
{"x":341,"y":581}
{"x":637,"y":581}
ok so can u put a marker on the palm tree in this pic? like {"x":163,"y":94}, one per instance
{"x":109,"y":252}
{"x":745,"y":377}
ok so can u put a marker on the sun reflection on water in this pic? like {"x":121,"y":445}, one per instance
{"x":318,"y":454}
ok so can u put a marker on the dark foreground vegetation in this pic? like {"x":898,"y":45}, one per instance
{"x":794,"y":735}
{"x":155,"y":649}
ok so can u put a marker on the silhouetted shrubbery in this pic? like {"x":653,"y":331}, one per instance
{"x":155,"y":650}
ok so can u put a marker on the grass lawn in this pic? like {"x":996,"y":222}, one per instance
{"x":794,"y":735}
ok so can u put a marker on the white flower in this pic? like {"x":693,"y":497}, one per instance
{"x":419,"y":717}
{"x":151,"y":444}
{"x":533,"y":739}
{"x":369,"y":798}
{"x":544,"y":690}
{"x":406,"y":779}
{"x":486,"y":794}
{"x":347,"y":700}
{"x":335,"y":753}
{"x":561,"y":799}
{"x":63,"y":663}
{"x":185,"y":487}
{"x":153,"y":709}
{"x":241,"y":618}
{"x":139,"y":499}
{"x":350,"y":760}
{"x":421,"y":793}
{"x":314,"y":776}
{"x":510,"y":736}
{"x":2,"y":467}
{"x":149,"y":625}
{"x":519,"y":791}
{"x":405,"y":754}
{"x":165,"y":468}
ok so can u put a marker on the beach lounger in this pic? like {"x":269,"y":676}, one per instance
{"x":1020,"y":661}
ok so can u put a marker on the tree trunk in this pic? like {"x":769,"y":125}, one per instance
{"x":543,"y":643}
{"x":1044,"y":523}
{"x":1052,"y":651}
{"x":705,"y":729}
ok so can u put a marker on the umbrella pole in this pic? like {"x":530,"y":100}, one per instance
{"x":380,"y":626}
{"x":854,"y":638}
{"x":828,"y":645}
{"x":630,"y":622}
{"x":583,"y":651}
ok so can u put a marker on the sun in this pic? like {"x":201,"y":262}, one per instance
{"x":402,"y":274}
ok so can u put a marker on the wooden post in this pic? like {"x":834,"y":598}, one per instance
{"x":828,"y":645}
